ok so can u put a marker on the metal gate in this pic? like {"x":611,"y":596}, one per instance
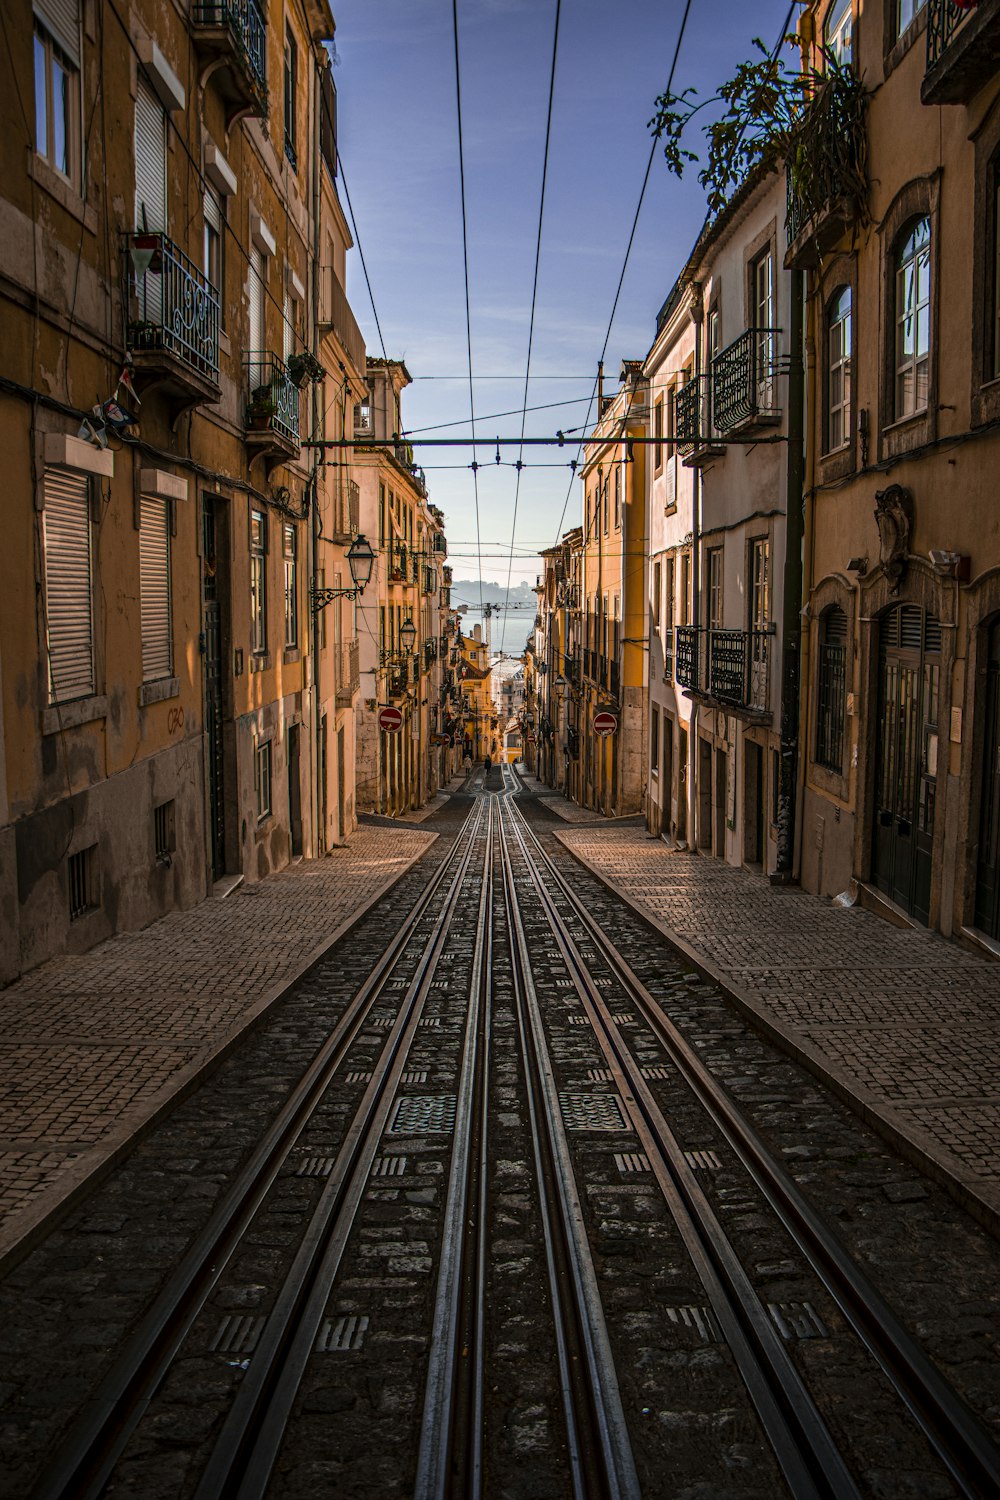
{"x":214,"y":751}
{"x":987,"y":917}
{"x":906,"y":775}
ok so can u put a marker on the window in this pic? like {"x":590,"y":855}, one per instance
{"x":81,"y":872}
{"x":57,"y":95}
{"x":685,"y":588}
{"x":154,"y":588}
{"x":655,"y":601}
{"x":212,"y":254}
{"x":150,"y":161}
{"x":906,"y":12}
{"x":713,"y":569}
{"x":291,"y":94}
{"x":658,"y":433}
{"x":164,"y":838}
{"x":838,"y":370}
{"x":604,"y":486}
{"x":654,"y":741}
{"x":291,"y":321}
{"x":837,"y":37}
{"x":912,"y":318}
{"x":289,"y":541}
{"x":995,"y":367}
{"x":762,"y":302}
{"x":69,"y":624}
{"x":618,"y":496}
{"x":363,"y":423}
{"x":760,"y":583}
{"x":262,"y":779}
{"x":256,"y":291}
{"x":713,"y":346}
{"x":832,"y":682}
{"x":258,"y":582}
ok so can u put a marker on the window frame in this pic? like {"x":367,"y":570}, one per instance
{"x":54,"y":697}
{"x":54,"y":53}
{"x":985,"y":371}
{"x":828,"y":746}
{"x":263,"y":780}
{"x":290,"y":561}
{"x":258,"y":583}
{"x":833,"y":42}
{"x":844,"y":365}
{"x":290,"y":81}
{"x":917,"y":199}
{"x":913,"y":256}
{"x":147,"y":504}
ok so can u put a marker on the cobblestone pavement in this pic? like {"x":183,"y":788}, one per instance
{"x":570,"y":812}
{"x":904,"y":1024}
{"x":93,"y":1046}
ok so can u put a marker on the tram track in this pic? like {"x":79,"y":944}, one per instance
{"x":806,"y":1452}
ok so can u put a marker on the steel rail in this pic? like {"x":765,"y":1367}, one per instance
{"x":86,"y":1457}
{"x":806,"y":1453}
{"x":449,"y":1461}
{"x":247,"y":1448}
{"x":601,"y":1459}
{"x":953,"y":1431}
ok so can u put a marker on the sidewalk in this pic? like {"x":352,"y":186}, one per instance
{"x":92,"y":1047}
{"x":902,"y":1024}
{"x":570,"y":812}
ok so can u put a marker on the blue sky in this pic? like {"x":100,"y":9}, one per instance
{"x":399,"y":144}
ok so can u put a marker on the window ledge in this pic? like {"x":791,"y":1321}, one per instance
{"x":902,"y":424}
{"x":291,"y":654}
{"x":63,"y":191}
{"x":261,"y":662}
{"x":159,"y":690}
{"x":71,"y":715}
{"x":901,"y":46}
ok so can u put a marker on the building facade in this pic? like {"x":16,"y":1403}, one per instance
{"x":159,"y":300}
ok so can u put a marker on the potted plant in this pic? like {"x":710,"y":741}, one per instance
{"x":303,"y":367}
{"x":262,"y":408}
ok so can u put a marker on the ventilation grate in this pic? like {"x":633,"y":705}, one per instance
{"x":316,"y":1166}
{"x":237,"y":1334}
{"x":702,"y":1161}
{"x":629,"y":1163}
{"x":339,"y":1335}
{"x":424,"y":1115}
{"x":592,"y":1112}
{"x":797,"y":1320}
{"x":700,"y":1319}
{"x":389,"y":1166}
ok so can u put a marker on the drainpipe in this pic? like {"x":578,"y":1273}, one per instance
{"x":697,"y":317}
{"x":808,"y":548}
{"x":312,"y":533}
{"x":791,"y":617}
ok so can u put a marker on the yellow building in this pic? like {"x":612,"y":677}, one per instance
{"x":155,"y":642}
{"x":902,"y":650}
{"x":612,"y":768}
{"x":473,"y":685}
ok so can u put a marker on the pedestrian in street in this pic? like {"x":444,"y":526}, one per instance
{"x":467,"y":763}
{"x":487,"y":766}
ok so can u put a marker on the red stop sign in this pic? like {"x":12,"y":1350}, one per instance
{"x":605,"y":723}
{"x":390,"y":719}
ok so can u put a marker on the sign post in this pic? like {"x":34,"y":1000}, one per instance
{"x":605,"y":723}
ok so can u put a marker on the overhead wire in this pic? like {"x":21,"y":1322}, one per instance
{"x":534,"y":294}
{"x":465,"y":263}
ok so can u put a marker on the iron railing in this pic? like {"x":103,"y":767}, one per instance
{"x":247,"y":28}
{"x":691,"y":413}
{"x":944,"y":19}
{"x":348,"y":672}
{"x":430,"y":653}
{"x":274,"y":396}
{"x":668,"y":653}
{"x":336,"y":315}
{"x":743,"y":379}
{"x":686,"y":656}
{"x":730,"y":666}
{"x":172,"y":306}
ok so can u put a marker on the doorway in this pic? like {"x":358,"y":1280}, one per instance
{"x":753,"y":803}
{"x":704,"y":795}
{"x":213,"y":597}
{"x":682,"y":785}
{"x":341,"y":786}
{"x":323,"y":808}
{"x":721,"y":800}
{"x":907,"y":755}
{"x":667,"y":778}
{"x":293,"y":736}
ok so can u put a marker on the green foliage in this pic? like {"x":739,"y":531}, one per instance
{"x":774,"y":116}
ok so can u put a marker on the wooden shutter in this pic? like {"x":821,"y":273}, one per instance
{"x":150,"y":159}
{"x":68,"y":585}
{"x":257,"y":282}
{"x":61,"y":18}
{"x":154,"y":587}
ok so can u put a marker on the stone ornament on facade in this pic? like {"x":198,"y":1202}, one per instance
{"x":894,"y":519}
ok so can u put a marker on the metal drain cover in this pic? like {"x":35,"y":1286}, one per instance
{"x":237,"y":1334}
{"x":316,"y":1166}
{"x":629,"y":1162}
{"x":705,"y":1161}
{"x":337,"y":1335}
{"x":423,"y":1114}
{"x":797,"y":1320}
{"x":389,"y":1166}
{"x":698,"y":1318}
{"x":592,"y":1112}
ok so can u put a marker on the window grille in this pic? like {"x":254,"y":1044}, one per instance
{"x":832,"y":688}
{"x":81,"y":872}
{"x":163,"y":832}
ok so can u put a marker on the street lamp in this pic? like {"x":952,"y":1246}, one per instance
{"x":360,"y":560}
{"x":407,"y":635}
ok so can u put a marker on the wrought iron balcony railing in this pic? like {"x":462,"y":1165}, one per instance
{"x":744,"y":378}
{"x":172,"y":307}
{"x":273,"y":406}
{"x":963,"y":50}
{"x":668,"y":653}
{"x":730,"y":666}
{"x":243,"y":23}
{"x":690,"y":414}
{"x":686,"y":656}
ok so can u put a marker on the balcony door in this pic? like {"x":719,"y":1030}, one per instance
{"x":762,"y":296}
{"x":150,"y":190}
{"x":907,"y":757}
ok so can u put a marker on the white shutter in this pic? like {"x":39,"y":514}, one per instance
{"x":257,"y":274}
{"x":150,"y":159}
{"x":61,"y":18}
{"x":289,"y":327}
{"x":213,"y":211}
{"x":68,"y":585}
{"x":154,"y":587}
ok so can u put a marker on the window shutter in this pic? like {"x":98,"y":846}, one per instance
{"x":150,"y":160}
{"x":213,"y":211}
{"x":256,"y":301}
{"x":68,"y":591}
{"x":61,"y":18}
{"x":154,"y":588}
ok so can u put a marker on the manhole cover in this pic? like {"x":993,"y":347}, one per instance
{"x":423,"y":1114}
{"x":592,"y":1112}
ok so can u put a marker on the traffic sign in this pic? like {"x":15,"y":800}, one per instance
{"x":390,"y":719}
{"x":605,"y":723}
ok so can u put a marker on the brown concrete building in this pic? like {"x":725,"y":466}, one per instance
{"x":159,"y":245}
{"x":901,"y":675}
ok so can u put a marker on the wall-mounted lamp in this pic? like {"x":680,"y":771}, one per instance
{"x":360,"y":560}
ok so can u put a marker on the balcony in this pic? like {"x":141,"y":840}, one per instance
{"x":826,"y":182}
{"x":430,"y":654}
{"x":963,"y":50}
{"x":336,"y":317}
{"x":345,"y":516}
{"x":172,"y":321}
{"x":230,"y":38}
{"x":348,"y":669}
{"x":744,"y":380}
{"x":728,"y":667}
{"x":272,"y":410}
{"x":693,"y":418}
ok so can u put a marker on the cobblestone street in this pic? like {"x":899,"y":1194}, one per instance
{"x":900,"y":1021}
{"x":94,"y":1046}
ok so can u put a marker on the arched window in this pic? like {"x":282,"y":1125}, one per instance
{"x":837,"y":32}
{"x":832,"y":688}
{"x":912,"y":313}
{"x":838,"y":369}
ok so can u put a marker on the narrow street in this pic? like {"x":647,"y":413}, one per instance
{"x":503,"y":1197}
